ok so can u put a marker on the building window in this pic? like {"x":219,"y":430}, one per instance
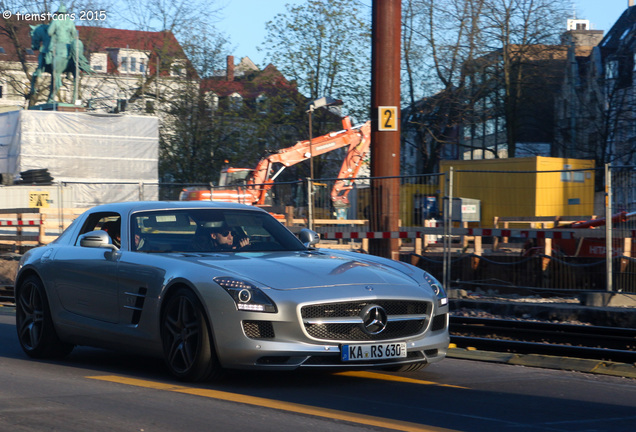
{"x":2,"y":51}
{"x":572,"y":176}
{"x":261,"y":104}
{"x":236,"y":101}
{"x":611,"y":69}
{"x":178,"y":68}
{"x":142,"y":65}
{"x":124,"y":64}
{"x":1,"y":92}
{"x":133,"y":64}
{"x":625,"y":33}
{"x":213,"y":101}
{"x":99,"y":61}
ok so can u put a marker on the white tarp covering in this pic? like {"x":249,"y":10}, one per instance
{"x":9,"y":133}
{"x":109,"y":154}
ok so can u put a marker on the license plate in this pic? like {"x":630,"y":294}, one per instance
{"x":373,"y":352}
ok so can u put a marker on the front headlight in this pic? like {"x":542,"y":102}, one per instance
{"x":438,"y":289}
{"x":246,"y":296}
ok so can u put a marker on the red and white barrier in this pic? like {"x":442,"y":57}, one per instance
{"x":477,"y":232}
{"x":528,"y":234}
{"x":370,"y":235}
{"x":20,"y":223}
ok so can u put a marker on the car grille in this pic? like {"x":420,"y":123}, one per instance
{"x":258,"y":329}
{"x":343,"y":321}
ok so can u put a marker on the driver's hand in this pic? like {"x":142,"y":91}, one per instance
{"x":244,"y":242}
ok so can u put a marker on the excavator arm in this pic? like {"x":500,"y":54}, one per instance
{"x":351,"y":167}
{"x":261,"y":179}
{"x":263,"y":176}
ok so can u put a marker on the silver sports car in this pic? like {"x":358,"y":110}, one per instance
{"x":209,"y":286}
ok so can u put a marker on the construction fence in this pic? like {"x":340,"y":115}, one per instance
{"x":538,"y":229}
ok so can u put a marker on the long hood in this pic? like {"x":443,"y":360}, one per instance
{"x":297,"y":270}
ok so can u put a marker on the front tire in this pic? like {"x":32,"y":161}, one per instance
{"x":34,"y":324}
{"x":185,"y":336}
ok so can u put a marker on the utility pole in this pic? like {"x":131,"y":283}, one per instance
{"x":385,"y":125}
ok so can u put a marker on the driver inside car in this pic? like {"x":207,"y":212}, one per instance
{"x":223,"y":238}
{"x":213,"y":236}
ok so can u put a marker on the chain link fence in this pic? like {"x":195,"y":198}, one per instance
{"x":505,"y":230}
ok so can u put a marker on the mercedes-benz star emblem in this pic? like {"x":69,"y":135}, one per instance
{"x":374,"y":319}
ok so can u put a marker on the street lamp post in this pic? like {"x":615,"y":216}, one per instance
{"x":323,"y":102}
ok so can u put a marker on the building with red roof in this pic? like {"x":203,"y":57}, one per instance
{"x":245,"y":85}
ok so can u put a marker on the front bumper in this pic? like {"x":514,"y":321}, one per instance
{"x":276,"y":347}
{"x":428,"y":350}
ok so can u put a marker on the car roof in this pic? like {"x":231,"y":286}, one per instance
{"x":134,"y":206}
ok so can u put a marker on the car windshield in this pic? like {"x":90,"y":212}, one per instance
{"x":209,"y":230}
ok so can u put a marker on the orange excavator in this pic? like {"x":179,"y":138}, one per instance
{"x":250,"y":186}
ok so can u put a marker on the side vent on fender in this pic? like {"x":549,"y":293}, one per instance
{"x":135,"y":302}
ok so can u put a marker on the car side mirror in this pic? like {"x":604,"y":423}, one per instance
{"x":309,"y":237}
{"x":97,"y":239}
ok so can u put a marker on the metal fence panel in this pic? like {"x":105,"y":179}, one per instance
{"x":458,"y":204}
{"x":622,"y":254}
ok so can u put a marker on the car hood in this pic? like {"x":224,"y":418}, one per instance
{"x":297,"y":270}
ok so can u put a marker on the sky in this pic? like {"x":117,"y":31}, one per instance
{"x":244,"y":20}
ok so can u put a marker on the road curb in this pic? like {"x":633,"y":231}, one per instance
{"x":548,"y":362}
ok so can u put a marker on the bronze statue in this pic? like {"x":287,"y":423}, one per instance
{"x":60,"y":50}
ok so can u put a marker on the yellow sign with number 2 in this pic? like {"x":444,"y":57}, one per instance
{"x":387,"y":118}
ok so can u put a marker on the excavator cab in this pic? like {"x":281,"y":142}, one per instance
{"x":234,"y":176}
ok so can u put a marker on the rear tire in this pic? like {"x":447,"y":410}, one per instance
{"x":34,"y":324}
{"x":187,"y":344}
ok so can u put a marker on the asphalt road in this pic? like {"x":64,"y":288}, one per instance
{"x":95,"y":390}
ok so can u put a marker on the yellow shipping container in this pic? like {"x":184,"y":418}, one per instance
{"x":521,"y":187}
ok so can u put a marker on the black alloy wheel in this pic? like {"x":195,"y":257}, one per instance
{"x":187,"y":346}
{"x":34,"y":325}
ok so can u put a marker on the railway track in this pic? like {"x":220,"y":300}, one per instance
{"x":531,"y":337}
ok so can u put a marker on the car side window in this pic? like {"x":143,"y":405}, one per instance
{"x":109,"y":222}
{"x":161,"y":231}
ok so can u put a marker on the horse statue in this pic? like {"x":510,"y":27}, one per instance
{"x":60,"y":51}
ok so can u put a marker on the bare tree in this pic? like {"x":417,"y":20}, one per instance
{"x":439,"y":37}
{"x":526,"y":32}
{"x":488,"y":58}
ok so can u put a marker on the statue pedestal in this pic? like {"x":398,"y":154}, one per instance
{"x":64,"y":107}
